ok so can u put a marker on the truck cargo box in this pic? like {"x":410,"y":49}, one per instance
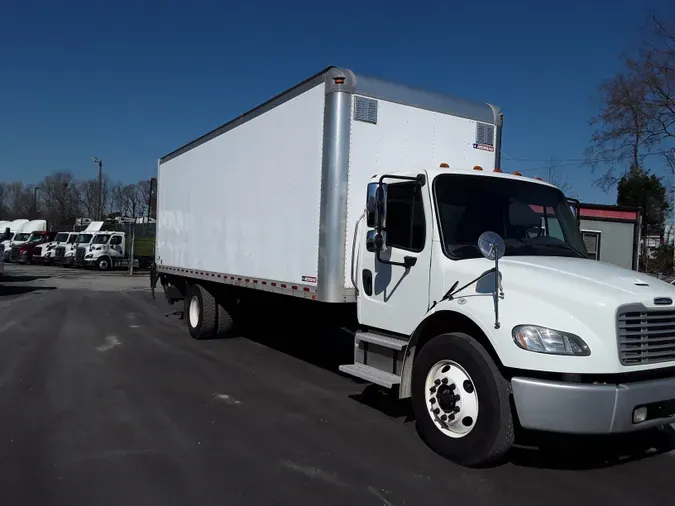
{"x":270,"y":200}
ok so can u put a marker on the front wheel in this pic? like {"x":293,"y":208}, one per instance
{"x":461,"y":401}
{"x":103,"y":264}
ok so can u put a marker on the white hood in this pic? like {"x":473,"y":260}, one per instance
{"x":574,"y":295}
{"x":606,"y":280}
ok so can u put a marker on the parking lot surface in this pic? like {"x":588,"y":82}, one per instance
{"x":104,"y":400}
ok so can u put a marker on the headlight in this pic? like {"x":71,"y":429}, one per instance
{"x":553,"y":342}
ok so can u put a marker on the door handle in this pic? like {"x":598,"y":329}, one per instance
{"x":367,"y":278}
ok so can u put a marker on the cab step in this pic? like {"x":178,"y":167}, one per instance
{"x":368,"y":373}
{"x":385,"y":341}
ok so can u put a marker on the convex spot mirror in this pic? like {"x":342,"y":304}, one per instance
{"x":491,"y":245}
{"x":376,"y":205}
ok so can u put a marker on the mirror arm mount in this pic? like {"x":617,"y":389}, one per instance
{"x":408,"y":261}
{"x":420,"y":179}
{"x":451,"y":294}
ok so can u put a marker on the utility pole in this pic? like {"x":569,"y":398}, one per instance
{"x":99,"y":210}
{"x":672,"y":230}
{"x":35,"y":191}
{"x":550,"y":170}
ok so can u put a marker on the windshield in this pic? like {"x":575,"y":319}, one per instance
{"x":101,"y":239}
{"x":61,"y":238}
{"x":21,"y":237}
{"x":471,"y":205}
{"x":82,"y":238}
{"x":35,"y":238}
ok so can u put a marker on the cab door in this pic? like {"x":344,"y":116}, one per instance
{"x":393,"y":296}
{"x":116,"y":245}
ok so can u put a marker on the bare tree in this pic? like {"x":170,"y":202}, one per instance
{"x":3,"y":195}
{"x":132,"y":199}
{"x":88,"y":196}
{"x":58,"y":195}
{"x":145,"y":190}
{"x":19,"y":200}
{"x":637,"y":107}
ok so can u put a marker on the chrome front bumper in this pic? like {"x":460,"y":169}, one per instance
{"x":577,"y":408}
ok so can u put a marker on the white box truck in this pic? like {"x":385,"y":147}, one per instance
{"x":472,"y":288}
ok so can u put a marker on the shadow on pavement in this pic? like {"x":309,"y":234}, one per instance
{"x":591,"y":452}
{"x":385,"y":402}
{"x":20,"y":290}
{"x":549,"y":451}
{"x":307,"y":330}
{"x":8,"y":278}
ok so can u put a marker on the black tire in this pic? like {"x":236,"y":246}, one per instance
{"x":493,"y":433}
{"x":225,"y":322}
{"x":204,"y":325}
{"x":103,"y":264}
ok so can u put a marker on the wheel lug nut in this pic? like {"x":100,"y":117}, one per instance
{"x":436,"y":411}
{"x":467,"y":421}
{"x":437,"y":382}
{"x":457,"y":397}
{"x":452,"y":386}
{"x":444,"y":418}
{"x":432,"y":390}
{"x":432,"y":400}
{"x":456,"y":409}
{"x":468,"y":386}
{"x":446,"y":368}
{"x":445,"y":381}
{"x":452,"y":416}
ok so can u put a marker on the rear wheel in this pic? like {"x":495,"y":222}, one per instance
{"x":461,"y":401}
{"x":201,"y":313}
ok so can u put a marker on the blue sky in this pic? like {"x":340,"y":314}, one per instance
{"x":129,"y":81}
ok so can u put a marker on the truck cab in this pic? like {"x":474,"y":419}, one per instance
{"x":474,"y":287}
{"x":23,"y":236}
{"x":73,"y":252}
{"x":46,"y":252}
{"x":4,"y":237}
{"x":106,"y":251}
{"x":23,"y":252}
{"x":15,"y":227}
{"x":65,"y":255}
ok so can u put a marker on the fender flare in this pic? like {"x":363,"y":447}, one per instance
{"x":463,"y":321}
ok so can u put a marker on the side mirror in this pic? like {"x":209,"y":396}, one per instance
{"x":376,"y":241}
{"x":7,"y":234}
{"x":574,"y":207}
{"x":376,"y":205}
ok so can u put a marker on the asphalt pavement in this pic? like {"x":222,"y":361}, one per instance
{"x":105,"y":400}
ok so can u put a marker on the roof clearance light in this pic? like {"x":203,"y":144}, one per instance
{"x":477,"y":167}
{"x":497,"y":170}
{"x":516,"y":173}
{"x":339,"y":80}
{"x":538,"y":178}
{"x":444,"y":166}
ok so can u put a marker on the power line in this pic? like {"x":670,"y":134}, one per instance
{"x":582,"y":160}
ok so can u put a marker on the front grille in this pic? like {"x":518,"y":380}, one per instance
{"x":646,"y":336}
{"x":79,"y":253}
{"x":14,"y":254}
{"x":60,"y":252}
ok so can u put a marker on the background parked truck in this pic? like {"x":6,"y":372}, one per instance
{"x":466,"y":289}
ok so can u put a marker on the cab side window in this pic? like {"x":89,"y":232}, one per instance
{"x":406,"y":226}
{"x":116,"y":240}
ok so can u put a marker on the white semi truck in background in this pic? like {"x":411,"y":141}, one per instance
{"x":472,"y":289}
